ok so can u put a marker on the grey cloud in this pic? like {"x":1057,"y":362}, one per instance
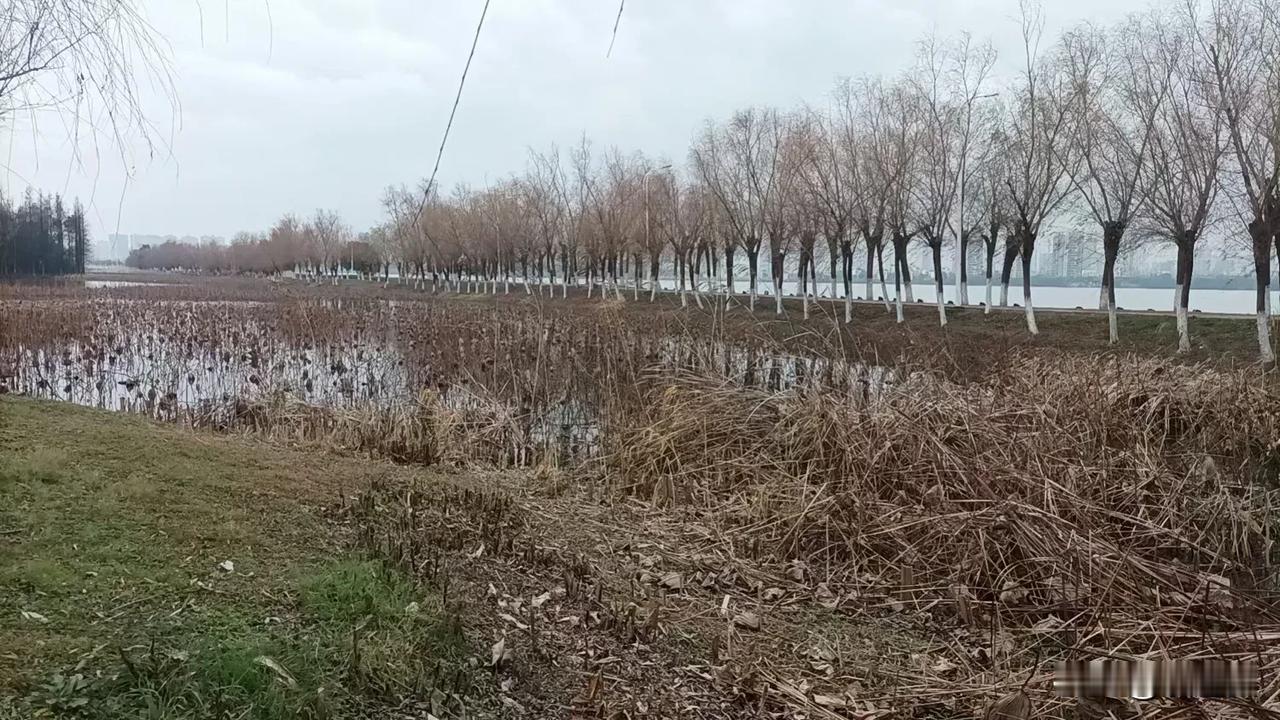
{"x":335,"y":99}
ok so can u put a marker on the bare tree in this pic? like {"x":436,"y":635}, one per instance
{"x":1240,"y":40}
{"x":1040,"y":152}
{"x":1118,"y":94}
{"x":946,"y":85}
{"x":546,"y":200}
{"x":786,"y":218}
{"x":1188,"y":143}
{"x":286,"y":243}
{"x":739,"y":163}
{"x":971,"y":71}
{"x":899,"y":156}
{"x":826,"y":173}
{"x":867,"y":152}
{"x":329,"y":235}
{"x":988,"y":215}
{"x":85,"y":60}
{"x":687,"y":207}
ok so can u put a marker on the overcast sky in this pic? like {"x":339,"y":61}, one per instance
{"x":291,"y":105}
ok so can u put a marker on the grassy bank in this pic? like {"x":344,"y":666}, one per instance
{"x":150,"y":572}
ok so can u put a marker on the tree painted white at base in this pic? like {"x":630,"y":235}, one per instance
{"x":1264,"y":338}
{"x":1184,"y":340}
{"x":1113,"y":328}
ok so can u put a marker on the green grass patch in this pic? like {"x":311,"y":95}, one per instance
{"x":151,"y":572}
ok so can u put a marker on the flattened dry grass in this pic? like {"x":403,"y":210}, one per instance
{"x":1114,"y":504}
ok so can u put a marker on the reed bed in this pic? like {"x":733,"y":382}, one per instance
{"x":519,"y":385}
{"x":1103,"y":507}
{"x":1093,"y":506}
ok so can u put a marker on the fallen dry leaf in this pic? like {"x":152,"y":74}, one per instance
{"x":499,"y":653}
{"x":285,"y":676}
{"x":834,"y":701}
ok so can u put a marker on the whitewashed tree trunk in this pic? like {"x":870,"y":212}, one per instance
{"x":1264,"y":337}
{"x":1112,"y":323}
{"x":1031,"y":315}
{"x":777,"y":296}
{"x":910,"y":295}
{"x":848,"y":308}
{"x":987,"y":309}
{"x":1264,"y":330}
{"x":1184,"y":338}
{"x":1004,"y":294}
{"x":942,"y":307}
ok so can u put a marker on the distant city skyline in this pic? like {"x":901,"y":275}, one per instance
{"x":116,"y":246}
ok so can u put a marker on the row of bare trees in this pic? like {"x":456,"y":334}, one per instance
{"x":1155,"y":130}
{"x":319,"y":247}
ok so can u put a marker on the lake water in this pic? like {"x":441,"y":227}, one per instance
{"x":1210,"y":301}
{"x":1240,"y":302}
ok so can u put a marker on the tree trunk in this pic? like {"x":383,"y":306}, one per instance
{"x":635,"y":277}
{"x":778,"y":272}
{"x":873,"y":245}
{"x":813,"y":280}
{"x":1261,"y":237}
{"x":963,"y":283}
{"x":884,"y":289}
{"x":833,"y":249}
{"x":990,"y":252}
{"x":1112,"y":233}
{"x":1011,"y":251}
{"x":935,"y":245}
{"x":1028,"y":248}
{"x":728,"y":271}
{"x":846,"y":258}
{"x":900,"y":256}
{"x":804,"y":285}
{"x":897,"y":277}
{"x":753,"y":263}
{"x":654,"y":261}
{"x":1186,"y":268}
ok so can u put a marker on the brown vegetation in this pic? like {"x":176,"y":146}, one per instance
{"x":724,"y":506}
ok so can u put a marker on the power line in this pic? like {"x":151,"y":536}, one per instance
{"x":621,"y":4}
{"x":457,"y":98}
